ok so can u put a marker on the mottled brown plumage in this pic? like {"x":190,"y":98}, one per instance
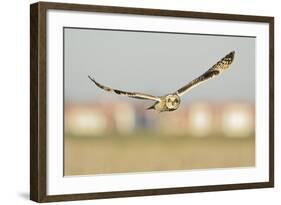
{"x":215,"y":70}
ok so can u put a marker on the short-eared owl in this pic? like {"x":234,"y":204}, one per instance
{"x":171,"y":102}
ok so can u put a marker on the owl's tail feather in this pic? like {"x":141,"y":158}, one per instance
{"x":151,"y":107}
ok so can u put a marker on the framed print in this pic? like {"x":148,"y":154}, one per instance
{"x":134,"y":102}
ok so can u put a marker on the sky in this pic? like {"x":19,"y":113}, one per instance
{"x":155,"y":63}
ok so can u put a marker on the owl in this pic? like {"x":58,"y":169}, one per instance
{"x":171,"y":101}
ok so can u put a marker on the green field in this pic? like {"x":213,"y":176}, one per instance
{"x":122,"y":154}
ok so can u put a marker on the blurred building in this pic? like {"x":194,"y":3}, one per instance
{"x":237,"y":119}
{"x":84,"y":120}
{"x":199,"y":119}
{"x":98,"y":118}
{"x":172,"y":123}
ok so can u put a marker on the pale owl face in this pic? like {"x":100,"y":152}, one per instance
{"x":172,"y":101}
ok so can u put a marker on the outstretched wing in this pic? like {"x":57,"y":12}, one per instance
{"x":125,"y":93}
{"x":215,"y":70}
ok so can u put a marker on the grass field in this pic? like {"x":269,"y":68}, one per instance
{"x":122,"y":154}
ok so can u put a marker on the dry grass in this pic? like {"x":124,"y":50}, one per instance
{"x":117,"y":154}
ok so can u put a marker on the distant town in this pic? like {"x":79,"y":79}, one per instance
{"x":197,"y":119}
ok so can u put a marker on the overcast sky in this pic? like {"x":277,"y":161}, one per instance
{"x":155,"y":63}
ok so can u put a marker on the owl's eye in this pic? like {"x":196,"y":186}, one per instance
{"x":176,"y":100}
{"x":169,"y":100}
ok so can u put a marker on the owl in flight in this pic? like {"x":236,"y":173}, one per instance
{"x":171,"y":102}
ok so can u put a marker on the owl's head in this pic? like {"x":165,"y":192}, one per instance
{"x":172,"y":101}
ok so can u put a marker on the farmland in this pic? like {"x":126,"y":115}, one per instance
{"x":145,"y":153}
